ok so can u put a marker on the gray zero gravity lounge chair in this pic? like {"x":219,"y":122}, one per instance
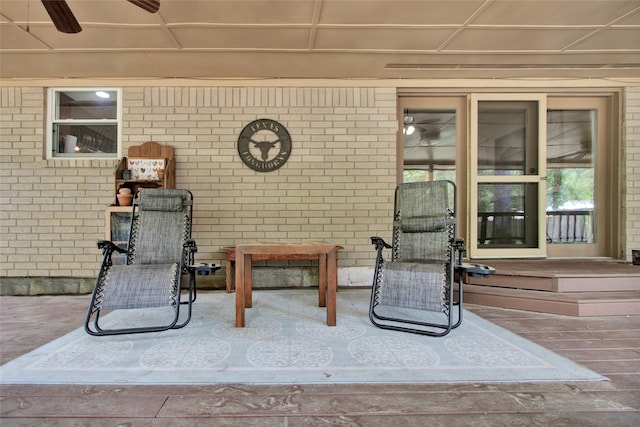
{"x":413,"y":290}
{"x":159,"y":252}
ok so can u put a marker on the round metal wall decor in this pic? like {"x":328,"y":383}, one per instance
{"x":264,"y":145}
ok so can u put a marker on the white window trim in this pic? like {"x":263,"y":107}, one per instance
{"x":51,"y":119}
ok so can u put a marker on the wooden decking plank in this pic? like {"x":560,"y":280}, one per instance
{"x":577,"y":403}
{"x":399,"y":404}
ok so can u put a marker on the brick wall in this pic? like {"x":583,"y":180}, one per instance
{"x":337,"y":184}
{"x":631,"y":201}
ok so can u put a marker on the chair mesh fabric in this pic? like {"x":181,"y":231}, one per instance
{"x":160,"y":229}
{"x":418,"y":275}
{"x":160,"y":238}
{"x":165,"y":203}
{"x":413,"y":285}
{"x":426,"y":247}
{"x":151,"y":277}
{"x":140,"y":286}
{"x":422,"y":222}
{"x":415,"y":200}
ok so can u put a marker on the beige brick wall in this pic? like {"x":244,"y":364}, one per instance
{"x":336,"y":186}
{"x":631,"y":201}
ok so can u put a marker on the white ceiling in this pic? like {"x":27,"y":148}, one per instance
{"x":375,"y":39}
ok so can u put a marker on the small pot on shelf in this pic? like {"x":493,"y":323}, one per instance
{"x":161,"y":174}
{"x":125,"y":199}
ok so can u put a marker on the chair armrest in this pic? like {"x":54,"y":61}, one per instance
{"x":379,"y":243}
{"x":108,"y":247}
{"x":191,"y":246}
{"x":459,"y":249}
{"x":189,"y":249}
{"x":475,"y":270}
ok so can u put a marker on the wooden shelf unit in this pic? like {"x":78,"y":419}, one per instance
{"x":148,"y":150}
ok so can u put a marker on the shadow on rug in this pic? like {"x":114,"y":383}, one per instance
{"x":286,"y":341}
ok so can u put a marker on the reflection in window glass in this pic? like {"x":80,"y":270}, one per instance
{"x":84,"y":123}
{"x":429,"y":145}
{"x":502,"y":218}
{"x":571,"y":176}
{"x":86,"y":105}
{"x":86,"y":139}
{"x":504,"y":128}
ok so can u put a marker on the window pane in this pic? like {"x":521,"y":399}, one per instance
{"x":429,"y":145}
{"x":89,"y":138}
{"x":503,"y":131}
{"x":84,"y":123}
{"x":571,"y":176}
{"x":86,"y":105}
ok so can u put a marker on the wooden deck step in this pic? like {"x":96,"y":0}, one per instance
{"x":604,"y":303}
{"x":563,"y":275}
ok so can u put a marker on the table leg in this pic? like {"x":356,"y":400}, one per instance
{"x":322,"y":280}
{"x":240,"y":300}
{"x":248,"y":277}
{"x":332,"y":285}
{"x":228,"y":277}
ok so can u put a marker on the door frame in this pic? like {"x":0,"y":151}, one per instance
{"x":458,"y":103}
{"x":605,"y":197}
{"x":538,"y":178}
{"x":613,"y":233}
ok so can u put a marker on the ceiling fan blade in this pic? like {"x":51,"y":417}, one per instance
{"x":62,"y":16}
{"x":151,"y":6}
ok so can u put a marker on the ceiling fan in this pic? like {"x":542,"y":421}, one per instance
{"x":429,"y":129}
{"x":66,"y":22}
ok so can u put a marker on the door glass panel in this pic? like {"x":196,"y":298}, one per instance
{"x":507,"y":176}
{"x":504,"y":130}
{"x":429,"y":145}
{"x":503,"y":221}
{"x":571,"y":141}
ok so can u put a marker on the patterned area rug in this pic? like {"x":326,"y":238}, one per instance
{"x":286,"y":341}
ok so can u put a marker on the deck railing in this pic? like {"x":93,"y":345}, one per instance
{"x":574,"y":226}
{"x":500,"y":228}
{"x":566,"y":226}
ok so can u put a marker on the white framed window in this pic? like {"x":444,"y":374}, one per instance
{"x":84,"y":123}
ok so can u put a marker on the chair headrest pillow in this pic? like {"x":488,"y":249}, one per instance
{"x":424,"y":224}
{"x":164,"y":203}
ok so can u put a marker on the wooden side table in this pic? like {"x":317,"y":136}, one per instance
{"x":325,"y":253}
{"x":230,"y":260}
